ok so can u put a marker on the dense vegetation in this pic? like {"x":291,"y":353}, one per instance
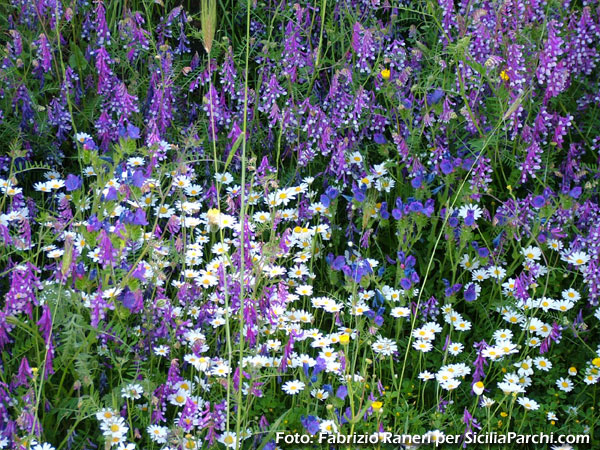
{"x":226,"y":220}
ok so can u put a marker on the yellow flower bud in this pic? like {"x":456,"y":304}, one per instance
{"x":377,"y":406}
{"x":213,"y":216}
{"x":478,"y":388}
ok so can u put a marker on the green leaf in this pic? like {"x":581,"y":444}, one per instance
{"x":236,"y":144}
{"x":274,"y":429}
{"x":77,"y":58}
{"x":513,"y":107}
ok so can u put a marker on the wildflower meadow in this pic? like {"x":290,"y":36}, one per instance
{"x":277,"y":224}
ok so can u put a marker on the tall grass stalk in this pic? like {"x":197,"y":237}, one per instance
{"x":242,"y":221}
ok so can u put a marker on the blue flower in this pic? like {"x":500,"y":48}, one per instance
{"x":379,"y":138}
{"x":132,"y":132}
{"x":138,"y":178}
{"x":470,"y":218}
{"x":446,"y":166}
{"x":538,"y":201}
{"x":111,"y":194}
{"x":342,"y":392}
{"x":483,"y":252}
{"x":405,"y":283}
{"x":359,"y":193}
{"x":310,"y":424}
{"x":496,"y":241}
{"x":140,"y":217}
{"x":470,"y":293}
{"x":337,"y":263}
{"x":435,"y":96}
{"x":575,"y":192}
{"x":73,"y":182}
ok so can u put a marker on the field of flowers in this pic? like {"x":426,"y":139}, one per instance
{"x":224,"y":220}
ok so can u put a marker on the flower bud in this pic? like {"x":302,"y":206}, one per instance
{"x":478,"y":388}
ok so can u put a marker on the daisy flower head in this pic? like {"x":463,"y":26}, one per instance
{"x":305,"y":290}
{"x":135,"y":161}
{"x":319,"y":394}
{"x":82,"y":137}
{"x":400,"y":311}
{"x":545,"y":303}
{"x":531,"y":253}
{"x":555,"y":245}
{"x":328,"y":427}
{"x":478,"y":388}
{"x":525,"y":367}
{"x":450,"y":384}
{"x":43,"y":446}
{"x":221,"y":370}
{"x":229,"y":439}
{"x":115,"y":429}
{"x":563,"y":305}
{"x":480,"y":274}
{"x":455,"y":348}
{"x":356,"y":158}
{"x":469,"y":264}
{"x":486,"y":402}
{"x":492,"y":352}
{"x":179,"y":398}
{"x":132,"y":391}
{"x":223,"y":178}
{"x":510,"y":388}
{"x":384,"y":346}
{"x":105,"y":414}
{"x":426,"y":376}
{"x":423,"y":334}
{"x":158,"y":433}
{"x":463,"y":325}
{"x":470,"y":214}
{"x":564,"y":384}
{"x":125,"y":446}
{"x":528,"y":404}
{"x":542,"y":363}
{"x":497,"y":272}
{"x":571,"y":295}
{"x":503,"y":334}
{"x":422,"y":346}
{"x":385,"y":184}
{"x":42,"y":187}
{"x":578,"y":258}
{"x":293,"y":387}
